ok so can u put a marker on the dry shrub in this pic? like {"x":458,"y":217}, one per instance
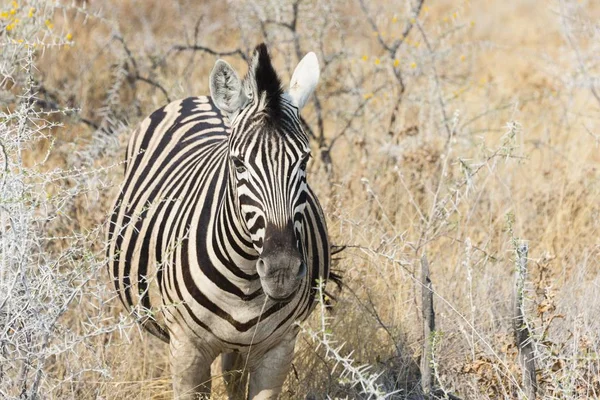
{"x":448,"y":130}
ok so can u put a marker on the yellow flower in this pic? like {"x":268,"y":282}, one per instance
{"x":9,"y":27}
{"x":377,"y":61}
{"x":368,"y":96}
{"x":413,"y":65}
{"x":394,"y":19}
{"x":49,"y":24}
{"x":472,"y":23}
{"x":459,"y":91}
{"x":13,"y":11}
{"x":3,"y":15}
{"x":412,"y":21}
{"x":31,"y":12}
{"x":15,"y":4}
{"x":396,"y":62}
{"x":365,"y":58}
{"x":69,"y":36}
{"x":426,"y":9}
{"x":16,"y":21}
{"x":463,"y":57}
{"x":20,"y":40}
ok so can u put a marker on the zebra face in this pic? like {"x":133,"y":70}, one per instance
{"x":268,"y":153}
{"x":270,"y":183}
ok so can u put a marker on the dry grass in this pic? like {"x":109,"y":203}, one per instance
{"x":522,"y":161}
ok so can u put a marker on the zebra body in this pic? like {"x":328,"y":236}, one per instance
{"x":216,"y":240}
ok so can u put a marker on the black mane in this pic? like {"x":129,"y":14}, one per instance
{"x":268,"y":81}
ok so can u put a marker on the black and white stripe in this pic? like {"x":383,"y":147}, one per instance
{"x":199,"y":199}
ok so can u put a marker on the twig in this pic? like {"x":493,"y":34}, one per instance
{"x":436,"y":78}
{"x":136,"y":72}
{"x":578,"y":55}
{"x":180,"y":48}
{"x":392,"y":49}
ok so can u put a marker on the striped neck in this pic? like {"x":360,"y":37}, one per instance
{"x":232,"y":235}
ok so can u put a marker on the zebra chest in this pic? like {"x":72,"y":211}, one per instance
{"x":225,"y":303}
{"x":239,"y":323}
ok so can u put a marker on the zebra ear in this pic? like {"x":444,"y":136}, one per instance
{"x":226,"y":89}
{"x":304,"y":80}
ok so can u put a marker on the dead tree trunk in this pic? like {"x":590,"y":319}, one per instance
{"x":428,"y":327}
{"x":522,"y":333}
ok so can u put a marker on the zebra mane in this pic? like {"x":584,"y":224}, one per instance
{"x":266,"y":82}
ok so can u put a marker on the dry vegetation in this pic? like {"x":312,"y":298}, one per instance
{"x":451,"y":129}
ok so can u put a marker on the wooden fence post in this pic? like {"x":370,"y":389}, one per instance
{"x":428,"y":327}
{"x":522,"y":334}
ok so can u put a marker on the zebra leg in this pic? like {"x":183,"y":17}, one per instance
{"x":269,"y":372}
{"x":190,"y":367}
{"x":236,"y":379}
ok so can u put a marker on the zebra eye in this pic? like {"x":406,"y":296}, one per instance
{"x":238,"y":165}
{"x":304,"y":162}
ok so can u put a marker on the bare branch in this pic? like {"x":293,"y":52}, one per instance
{"x":208,"y":50}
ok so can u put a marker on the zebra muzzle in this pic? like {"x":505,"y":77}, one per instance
{"x":281,"y":275}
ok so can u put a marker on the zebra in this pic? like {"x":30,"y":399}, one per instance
{"x":216,"y":241}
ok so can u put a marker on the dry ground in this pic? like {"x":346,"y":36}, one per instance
{"x":495,"y":140}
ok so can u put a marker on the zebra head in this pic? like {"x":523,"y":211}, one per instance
{"x":268,"y":152}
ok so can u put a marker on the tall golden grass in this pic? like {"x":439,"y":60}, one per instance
{"x":496,"y":139}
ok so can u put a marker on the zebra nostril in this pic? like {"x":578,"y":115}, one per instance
{"x":261,"y":267}
{"x":302,"y":270}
